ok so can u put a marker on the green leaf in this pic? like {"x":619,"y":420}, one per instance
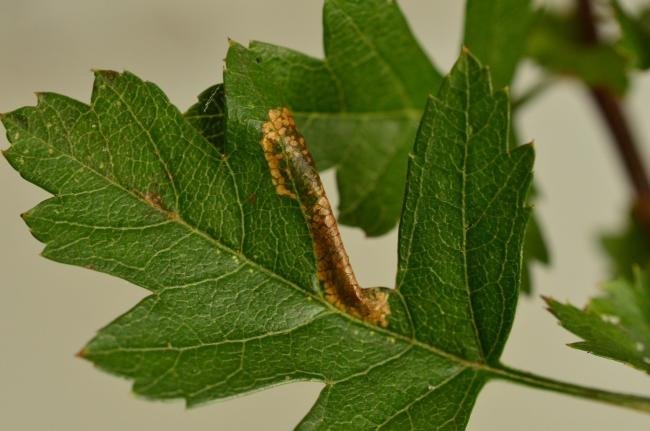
{"x":460,"y":241}
{"x":615,"y":325}
{"x":626,"y":249}
{"x":496,"y":32}
{"x":635,"y":35}
{"x":358,"y":108}
{"x":556,"y":43}
{"x":234,"y":305}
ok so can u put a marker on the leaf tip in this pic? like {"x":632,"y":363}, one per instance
{"x":467,"y":55}
{"x":109,"y":75}
{"x":81,"y":353}
{"x":550,"y":303}
{"x":555,"y":307}
{"x":42,"y":97}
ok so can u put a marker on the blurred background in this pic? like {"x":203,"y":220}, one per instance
{"x":48,"y":310}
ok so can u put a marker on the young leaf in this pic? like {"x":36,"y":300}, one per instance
{"x":140,"y":194}
{"x":496,"y":32}
{"x":615,"y":325}
{"x":358,"y":108}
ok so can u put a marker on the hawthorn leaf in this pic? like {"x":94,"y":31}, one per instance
{"x":358,"y":108}
{"x":496,"y":33}
{"x":234,"y":304}
{"x":615,"y":325}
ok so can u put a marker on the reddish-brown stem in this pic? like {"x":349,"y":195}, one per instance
{"x":614,"y":116}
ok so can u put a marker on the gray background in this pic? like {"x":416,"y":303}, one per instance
{"x":48,"y":311}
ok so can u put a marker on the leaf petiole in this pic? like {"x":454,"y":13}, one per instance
{"x":630,"y":401}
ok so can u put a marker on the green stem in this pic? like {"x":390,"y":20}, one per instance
{"x":634,"y":402}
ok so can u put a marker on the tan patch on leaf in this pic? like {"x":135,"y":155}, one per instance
{"x":294,"y":175}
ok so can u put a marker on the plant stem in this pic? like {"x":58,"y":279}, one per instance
{"x":634,"y":402}
{"x":614,"y":116}
{"x":612,"y":112}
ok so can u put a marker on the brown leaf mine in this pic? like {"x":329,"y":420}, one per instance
{"x":294,"y":175}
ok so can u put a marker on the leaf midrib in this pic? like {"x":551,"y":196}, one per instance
{"x":180,"y":349}
{"x":464,"y":227}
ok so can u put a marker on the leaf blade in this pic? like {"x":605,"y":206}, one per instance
{"x":434,"y":254}
{"x":183,"y":201}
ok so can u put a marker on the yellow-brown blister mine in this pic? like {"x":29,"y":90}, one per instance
{"x":294,"y":175}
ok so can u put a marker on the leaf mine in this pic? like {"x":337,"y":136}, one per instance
{"x":294,"y":175}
